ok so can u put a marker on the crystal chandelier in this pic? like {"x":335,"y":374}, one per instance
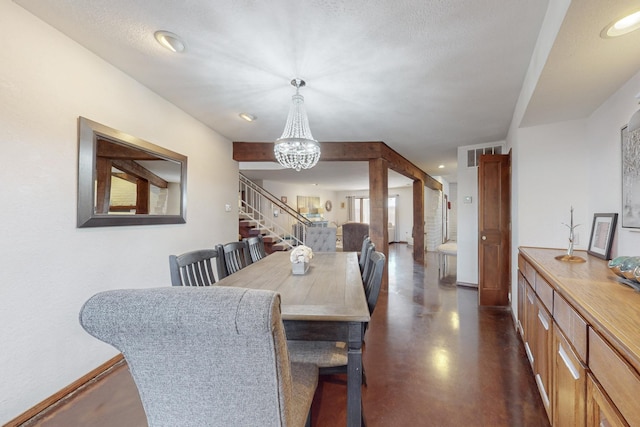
{"x":296,"y":148}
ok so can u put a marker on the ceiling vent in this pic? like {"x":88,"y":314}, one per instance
{"x":473,"y":155}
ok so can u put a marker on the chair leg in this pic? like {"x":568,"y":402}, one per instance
{"x":308,"y":423}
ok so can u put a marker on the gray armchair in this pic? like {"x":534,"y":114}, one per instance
{"x":213,"y":356}
{"x":353,"y":233}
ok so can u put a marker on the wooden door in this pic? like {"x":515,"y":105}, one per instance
{"x":494,"y":220}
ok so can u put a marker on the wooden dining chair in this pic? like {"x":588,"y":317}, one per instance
{"x":212,"y":357}
{"x":197,"y":268}
{"x":331,"y":357}
{"x":256,"y":247}
{"x":236,"y":256}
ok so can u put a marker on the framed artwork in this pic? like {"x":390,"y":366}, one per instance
{"x":283,"y":199}
{"x":602,"y":231}
{"x":630,"y":179}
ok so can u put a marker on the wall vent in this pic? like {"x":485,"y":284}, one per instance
{"x":473,"y":155}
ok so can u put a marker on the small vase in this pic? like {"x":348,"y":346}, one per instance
{"x":299,"y":268}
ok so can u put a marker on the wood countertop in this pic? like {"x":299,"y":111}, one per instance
{"x":609,"y":306}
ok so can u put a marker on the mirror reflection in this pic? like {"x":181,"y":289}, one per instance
{"x":124,"y":180}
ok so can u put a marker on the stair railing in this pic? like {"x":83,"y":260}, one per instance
{"x":275,"y":217}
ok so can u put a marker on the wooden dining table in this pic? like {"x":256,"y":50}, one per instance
{"x":325,"y":304}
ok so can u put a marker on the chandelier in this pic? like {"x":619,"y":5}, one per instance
{"x":296,"y":148}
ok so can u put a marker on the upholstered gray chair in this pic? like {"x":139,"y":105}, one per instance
{"x":321,"y":239}
{"x":200,"y":357}
{"x":331,"y":357}
{"x":197,"y":268}
{"x":256,"y":247}
{"x":353,"y":233}
{"x":236,"y":256}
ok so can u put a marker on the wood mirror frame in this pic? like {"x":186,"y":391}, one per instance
{"x":105,"y":154}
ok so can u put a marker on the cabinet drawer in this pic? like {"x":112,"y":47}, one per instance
{"x":572,"y":325}
{"x":527,"y":270}
{"x":545,"y":292}
{"x":619,"y":381}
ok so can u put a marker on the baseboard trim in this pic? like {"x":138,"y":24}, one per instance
{"x":72,"y":388}
{"x":468,"y":285}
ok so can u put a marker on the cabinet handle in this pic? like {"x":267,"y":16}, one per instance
{"x":529,"y":353}
{"x":565,"y":358}
{"x":545,"y":398}
{"x":543,"y":320}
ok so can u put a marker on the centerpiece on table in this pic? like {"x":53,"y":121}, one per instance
{"x":300,"y":258}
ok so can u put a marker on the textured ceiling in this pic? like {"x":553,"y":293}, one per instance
{"x":423,"y":76}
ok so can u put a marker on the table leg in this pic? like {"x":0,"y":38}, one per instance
{"x":354,"y":375}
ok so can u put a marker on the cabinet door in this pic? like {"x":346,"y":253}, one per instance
{"x":530,"y":311}
{"x":542,"y":355}
{"x":538,"y":343}
{"x":600,"y":411}
{"x":569,"y":380}
{"x":522,"y":296}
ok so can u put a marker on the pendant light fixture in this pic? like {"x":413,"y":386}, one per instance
{"x":296,"y":148}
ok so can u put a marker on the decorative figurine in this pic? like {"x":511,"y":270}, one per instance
{"x":569,"y":257}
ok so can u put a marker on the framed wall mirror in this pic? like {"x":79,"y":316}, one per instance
{"x":124,"y":180}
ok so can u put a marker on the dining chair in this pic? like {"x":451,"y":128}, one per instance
{"x":352,"y":235}
{"x":367,"y":270}
{"x":236,"y":256}
{"x":365,"y":244}
{"x":331,"y":357}
{"x":256,"y":247}
{"x":196,"y":268}
{"x":321,"y":239}
{"x":205,"y":356}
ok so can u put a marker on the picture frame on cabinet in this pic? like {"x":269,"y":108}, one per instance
{"x":602,"y":232}
{"x":630,"y":179}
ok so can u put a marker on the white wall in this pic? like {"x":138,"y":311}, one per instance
{"x":552,"y":168}
{"x":405,"y":212}
{"x":50,"y":267}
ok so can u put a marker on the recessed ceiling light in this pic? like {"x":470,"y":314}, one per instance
{"x":441,"y":167}
{"x":170,"y":41}
{"x":622,"y":26}
{"x":248,"y":117}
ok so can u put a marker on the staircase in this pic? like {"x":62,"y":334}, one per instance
{"x":262,"y":213}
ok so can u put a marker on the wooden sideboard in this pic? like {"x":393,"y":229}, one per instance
{"x":581,"y":330}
